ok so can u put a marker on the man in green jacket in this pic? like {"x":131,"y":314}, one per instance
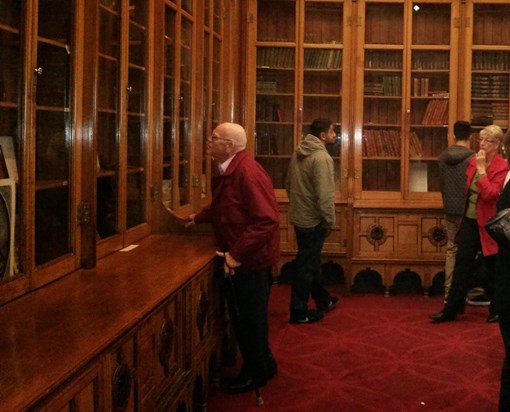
{"x":311,"y":189}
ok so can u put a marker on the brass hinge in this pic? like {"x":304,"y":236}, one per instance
{"x":250,"y":18}
{"x":83,"y":213}
{"x":456,"y":23}
{"x":155,"y":193}
{"x":195,"y":181}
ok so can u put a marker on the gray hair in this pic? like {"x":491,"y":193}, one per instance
{"x":492,"y":131}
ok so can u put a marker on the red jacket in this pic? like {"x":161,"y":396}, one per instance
{"x":244,"y":213}
{"x":489,"y":188}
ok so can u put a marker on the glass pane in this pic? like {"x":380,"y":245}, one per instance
{"x":11,"y":194}
{"x":206,"y":124}
{"x":490,"y":88}
{"x":169,"y":108}
{"x":323,"y":22}
{"x":382,"y":108}
{"x":52,"y":221}
{"x":217,"y":16}
{"x":109,"y":33}
{"x":216,"y":75}
{"x":185,"y":114}
{"x":384,"y":23}
{"x":135,"y":199}
{"x":431,"y":23}
{"x":138,"y":11}
{"x":53,"y":146}
{"x":107,"y":120}
{"x":490,"y":24}
{"x":55,"y":20}
{"x":188,"y":6}
{"x":53,"y":86}
{"x":274,"y":110}
{"x":137,"y":45}
{"x":277,"y":20}
{"x":9,"y":66}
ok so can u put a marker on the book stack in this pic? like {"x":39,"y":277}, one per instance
{"x":282,"y":57}
{"x":436,"y":112}
{"x":421,"y":86}
{"x":381,"y":143}
{"x":481,"y":113}
{"x":500,"y":113}
{"x":266,"y":85}
{"x":323,"y":59}
{"x":383,"y":59}
{"x":490,"y":86}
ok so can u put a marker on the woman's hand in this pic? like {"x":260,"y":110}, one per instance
{"x":481,"y":162}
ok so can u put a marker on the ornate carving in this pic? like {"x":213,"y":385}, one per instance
{"x":437,"y":235}
{"x":121,"y":386}
{"x":203,"y":307}
{"x":166,"y":340}
{"x":376,"y":234}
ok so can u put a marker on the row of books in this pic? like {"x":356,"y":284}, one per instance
{"x":491,"y":61}
{"x":436,"y":112}
{"x":281,"y":57}
{"x":426,"y":61}
{"x":390,"y":86}
{"x":490,"y":86}
{"x":377,"y":59}
{"x":267,"y":110}
{"x":323,"y":59}
{"x":381,"y":143}
{"x":486,"y":113}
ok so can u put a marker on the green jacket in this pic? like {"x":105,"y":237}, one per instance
{"x":310,"y":185}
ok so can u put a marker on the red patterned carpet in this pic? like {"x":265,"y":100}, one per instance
{"x":376,"y":354}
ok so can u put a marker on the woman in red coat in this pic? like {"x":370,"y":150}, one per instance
{"x":485,"y":176}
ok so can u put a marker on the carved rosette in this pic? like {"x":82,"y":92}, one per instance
{"x":376,"y":234}
{"x":437,"y":235}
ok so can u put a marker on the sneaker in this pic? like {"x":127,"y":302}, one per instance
{"x":310,"y":316}
{"x":333,"y":302}
{"x":480,"y":300}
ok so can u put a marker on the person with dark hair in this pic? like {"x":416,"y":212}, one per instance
{"x":310,"y":186}
{"x":244,"y":217}
{"x":485,"y":176}
{"x":453,"y":162}
{"x":502,"y":288}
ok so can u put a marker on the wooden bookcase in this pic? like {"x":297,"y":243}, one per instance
{"x":108,"y":104}
{"x":406,"y":72}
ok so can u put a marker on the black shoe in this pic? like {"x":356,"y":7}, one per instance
{"x":442,"y":316}
{"x":333,"y":302}
{"x":493,"y":318}
{"x":241,"y":384}
{"x":310,"y":316}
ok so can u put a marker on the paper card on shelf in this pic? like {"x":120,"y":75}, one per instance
{"x":128,"y":248}
{"x":418,"y":177}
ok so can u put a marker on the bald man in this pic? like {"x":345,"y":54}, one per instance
{"x":244,"y":216}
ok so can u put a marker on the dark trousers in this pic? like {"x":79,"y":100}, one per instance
{"x":468,"y":247}
{"x":504,"y":393}
{"x":247,"y":294}
{"x":306,"y":280}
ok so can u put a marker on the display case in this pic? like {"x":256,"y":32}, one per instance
{"x":407,"y":79}
{"x":487,"y":65}
{"x":299,"y":74}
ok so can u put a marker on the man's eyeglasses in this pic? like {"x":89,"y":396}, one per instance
{"x":214,"y":138}
{"x":486,"y":140}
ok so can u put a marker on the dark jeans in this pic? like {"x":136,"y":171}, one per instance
{"x":306,"y":280}
{"x":468,"y":247}
{"x":247,"y":294}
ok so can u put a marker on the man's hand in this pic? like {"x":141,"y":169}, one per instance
{"x":230,"y":264}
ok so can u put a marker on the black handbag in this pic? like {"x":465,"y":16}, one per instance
{"x":498,"y":226}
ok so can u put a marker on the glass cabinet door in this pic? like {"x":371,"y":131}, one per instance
{"x":136,"y":115}
{"x":382,"y":104}
{"x":54,"y":234}
{"x":322,"y":69}
{"x":185,"y":126}
{"x":490,"y":66}
{"x":11,"y":146}
{"x":275,"y":87}
{"x":107,"y":119}
{"x":430,"y":93}
{"x":169,"y":108}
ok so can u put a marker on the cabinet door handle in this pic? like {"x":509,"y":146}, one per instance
{"x":129,"y":89}
{"x":38,"y":70}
